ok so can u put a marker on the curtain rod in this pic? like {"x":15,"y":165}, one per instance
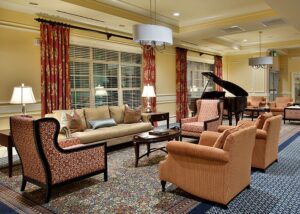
{"x":203,"y":53}
{"x":108,"y":35}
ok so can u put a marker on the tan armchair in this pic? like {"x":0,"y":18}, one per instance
{"x":277,"y":106}
{"x":210,"y":173}
{"x":256,"y":101}
{"x":47,"y":162}
{"x":265,"y":151}
{"x":209,"y":117}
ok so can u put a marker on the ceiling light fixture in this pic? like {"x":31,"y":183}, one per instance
{"x":260,"y":62}
{"x":176,"y":14}
{"x":245,"y":40}
{"x":153,"y":35}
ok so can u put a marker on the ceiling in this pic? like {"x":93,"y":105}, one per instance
{"x":223,"y":27}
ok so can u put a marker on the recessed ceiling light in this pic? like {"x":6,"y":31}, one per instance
{"x":33,"y":3}
{"x":176,"y":14}
{"x":245,"y":40}
{"x":121,"y":25}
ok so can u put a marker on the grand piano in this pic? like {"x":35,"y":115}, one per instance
{"x":235,"y":104}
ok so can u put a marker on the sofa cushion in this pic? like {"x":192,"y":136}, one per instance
{"x":57,"y":114}
{"x":132,"y":115}
{"x":74,"y":122}
{"x":90,"y":135}
{"x":99,"y":113}
{"x":96,"y":124}
{"x":117,"y":113}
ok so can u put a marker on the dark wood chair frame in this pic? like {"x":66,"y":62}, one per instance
{"x":48,"y":186}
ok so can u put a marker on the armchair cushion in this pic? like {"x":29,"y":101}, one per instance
{"x":259,"y":123}
{"x":208,"y":138}
{"x":222,"y":138}
{"x":69,"y":142}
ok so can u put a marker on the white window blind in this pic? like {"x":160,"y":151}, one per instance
{"x":196,"y":81}
{"x":118,"y":74}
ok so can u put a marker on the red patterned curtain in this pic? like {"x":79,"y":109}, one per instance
{"x":149,"y":73}
{"x":181,"y":84}
{"x":55,"y":77}
{"x":218,"y":70}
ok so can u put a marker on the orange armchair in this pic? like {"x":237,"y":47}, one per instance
{"x":210,"y":173}
{"x":47,"y":162}
{"x":277,"y":106}
{"x":209,"y":117}
{"x":265,"y":151}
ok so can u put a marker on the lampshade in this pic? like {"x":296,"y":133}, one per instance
{"x":260,"y":62}
{"x":148,"y":91}
{"x":146,"y":34}
{"x":22,"y":95}
{"x":100,"y":91}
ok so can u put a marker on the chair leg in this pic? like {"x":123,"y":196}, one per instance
{"x":105,"y":175}
{"x":48,"y":194}
{"x":23,"y":185}
{"x":163,"y":185}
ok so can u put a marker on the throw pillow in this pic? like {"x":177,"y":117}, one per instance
{"x":132,"y":115}
{"x":117,"y":113}
{"x":222,"y":138}
{"x":96,"y":124}
{"x":260,"y":121}
{"x":74,"y":122}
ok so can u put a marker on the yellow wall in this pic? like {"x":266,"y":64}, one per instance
{"x":237,"y":70}
{"x":20,"y":63}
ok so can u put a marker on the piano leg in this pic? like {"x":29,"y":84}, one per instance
{"x":230,"y":118}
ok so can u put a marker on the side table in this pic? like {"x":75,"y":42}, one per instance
{"x":291,"y":113}
{"x":156,"y":116}
{"x":6,"y":140}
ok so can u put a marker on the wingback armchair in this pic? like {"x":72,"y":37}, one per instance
{"x":265,"y":151}
{"x":211,"y":173}
{"x":209,"y":116}
{"x":47,"y":162}
{"x":277,"y":106}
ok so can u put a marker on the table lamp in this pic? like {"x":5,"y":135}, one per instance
{"x":22,"y":95}
{"x":148,"y":92}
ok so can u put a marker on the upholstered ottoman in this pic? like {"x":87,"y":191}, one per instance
{"x":291,"y":113}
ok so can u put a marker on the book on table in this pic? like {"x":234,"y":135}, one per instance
{"x":159,"y":132}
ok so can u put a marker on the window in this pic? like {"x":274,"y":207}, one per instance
{"x":104,"y":77}
{"x":196,"y":81}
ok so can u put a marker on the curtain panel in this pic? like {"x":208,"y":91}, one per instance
{"x":181,"y":84}
{"x":55,"y":70}
{"x":218,"y":70}
{"x":149,"y":70}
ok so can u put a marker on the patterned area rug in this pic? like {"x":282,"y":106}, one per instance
{"x":138,"y":190}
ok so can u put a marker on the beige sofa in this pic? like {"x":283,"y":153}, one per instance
{"x":113,"y":135}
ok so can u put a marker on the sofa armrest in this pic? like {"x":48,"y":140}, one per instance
{"x":246,"y":123}
{"x":197,"y":151}
{"x":65,"y":130}
{"x":271,"y":104}
{"x":208,"y":138}
{"x":222,"y":128}
{"x":261,"y":134}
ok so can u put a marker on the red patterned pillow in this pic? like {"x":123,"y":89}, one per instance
{"x":74,"y":122}
{"x":132,"y":115}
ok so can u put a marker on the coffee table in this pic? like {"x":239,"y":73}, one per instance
{"x":146,"y":138}
{"x":257,"y":111}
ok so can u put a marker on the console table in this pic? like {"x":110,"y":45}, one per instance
{"x":6,"y":140}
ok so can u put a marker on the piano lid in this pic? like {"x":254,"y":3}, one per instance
{"x":229,"y":86}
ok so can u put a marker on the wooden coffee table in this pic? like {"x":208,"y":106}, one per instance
{"x":257,"y":111}
{"x":146,"y":138}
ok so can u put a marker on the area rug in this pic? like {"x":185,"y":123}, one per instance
{"x":138,"y":190}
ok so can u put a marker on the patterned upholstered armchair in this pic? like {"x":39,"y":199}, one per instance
{"x":47,"y":162}
{"x":209,"y":117}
